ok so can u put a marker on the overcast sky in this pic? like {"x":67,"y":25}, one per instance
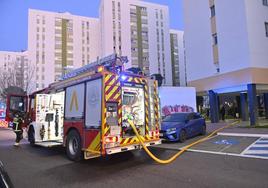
{"x":14,"y":17}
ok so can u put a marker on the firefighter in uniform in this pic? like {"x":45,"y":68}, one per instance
{"x":17,"y":127}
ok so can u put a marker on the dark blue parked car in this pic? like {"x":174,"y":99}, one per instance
{"x":180,"y":126}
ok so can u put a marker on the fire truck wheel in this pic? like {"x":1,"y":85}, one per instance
{"x":73,"y":146}
{"x":31,"y":137}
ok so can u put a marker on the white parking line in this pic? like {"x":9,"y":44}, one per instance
{"x":229,"y":154}
{"x":249,"y":147}
{"x":258,"y":148}
{"x":243,"y":135}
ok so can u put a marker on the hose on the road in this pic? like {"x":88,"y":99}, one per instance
{"x":171,"y":159}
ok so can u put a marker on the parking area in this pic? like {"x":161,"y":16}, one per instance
{"x":250,"y":146}
{"x":49,"y":167}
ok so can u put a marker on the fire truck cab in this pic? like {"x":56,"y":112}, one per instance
{"x":88,"y":111}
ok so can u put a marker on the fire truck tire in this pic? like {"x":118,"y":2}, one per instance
{"x":31,"y":137}
{"x":73,"y":146}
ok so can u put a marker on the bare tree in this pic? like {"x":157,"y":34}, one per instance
{"x":8,"y":81}
{"x":29,"y":74}
{"x":18,"y":81}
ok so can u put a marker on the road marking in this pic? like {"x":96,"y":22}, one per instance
{"x":225,"y":148}
{"x":264,"y":136}
{"x":242,"y":153}
{"x":229,"y":154}
{"x":258,"y":148}
{"x":260,"y":142}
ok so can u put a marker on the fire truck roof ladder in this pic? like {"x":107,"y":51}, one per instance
{"x":108,"y":62}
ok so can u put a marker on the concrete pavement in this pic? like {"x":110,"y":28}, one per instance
{"x":49,"y":167}
{"x":234,"y":141}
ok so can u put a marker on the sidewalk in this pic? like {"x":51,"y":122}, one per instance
{"x":241,"y":127}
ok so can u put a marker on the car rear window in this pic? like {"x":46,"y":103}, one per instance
{"x":178,"y":117}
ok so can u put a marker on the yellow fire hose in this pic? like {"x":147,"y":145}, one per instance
{"x":171,"y":159}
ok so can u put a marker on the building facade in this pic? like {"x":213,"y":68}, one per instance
{"x":139,"y":30}
{"x":58,"y":42}
{"x":178,"y":61}
{"x":14,"y":70}
{"x":226,"y":48}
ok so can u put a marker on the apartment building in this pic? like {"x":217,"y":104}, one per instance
{"x":139,"y":30}
{"x":178,"y":61}
{"x":58,"y":42}
{"x":14,"y":69}
{"x":226,"y":49}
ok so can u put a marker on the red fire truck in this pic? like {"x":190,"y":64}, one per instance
{"x":87,"y":111}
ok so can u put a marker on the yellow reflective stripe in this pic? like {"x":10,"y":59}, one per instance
{"x":95,"y":143}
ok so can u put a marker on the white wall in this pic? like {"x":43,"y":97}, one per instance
{"x":242,"y":42}
{"x":257,"y":14}
{"x":198,"y":40}
{"x":232,"y":35}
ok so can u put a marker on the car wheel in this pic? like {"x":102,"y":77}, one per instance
{"x":204,"y":130}
{"x":73,"y":146}
{"x":31,"y":135}
{"x":182,"y":136}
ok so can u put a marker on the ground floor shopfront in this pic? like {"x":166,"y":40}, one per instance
{"x":243,"y":94}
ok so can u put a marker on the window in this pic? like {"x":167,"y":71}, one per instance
{"x":161,"y":14}
{"x":265,"y":2}
{"x":212,"y":10}
{"x":266,"y":28}
{"x":215,"y":39}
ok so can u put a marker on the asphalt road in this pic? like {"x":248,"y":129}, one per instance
{"x":49,"y":167}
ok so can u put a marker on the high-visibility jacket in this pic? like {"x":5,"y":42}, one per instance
{"x":17,"y":123}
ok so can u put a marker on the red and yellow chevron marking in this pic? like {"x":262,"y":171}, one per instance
{"x":146,"y":91}
{"x":156,"y":105}
{"x":136,"y":80}
{"x":130,"y":79}
{"x":134,"y":140}
{"x":112,"y":93}
{"x":3,"y":123}
{"x":120,"y":112}
{"x":127,"y":141}
{"x":95,"y":145}
{"x":112,"y":88}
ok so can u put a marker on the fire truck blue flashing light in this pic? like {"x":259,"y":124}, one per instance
{"x":123,"y":77}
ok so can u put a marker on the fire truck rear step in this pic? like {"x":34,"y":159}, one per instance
{"x":49,"y":144}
